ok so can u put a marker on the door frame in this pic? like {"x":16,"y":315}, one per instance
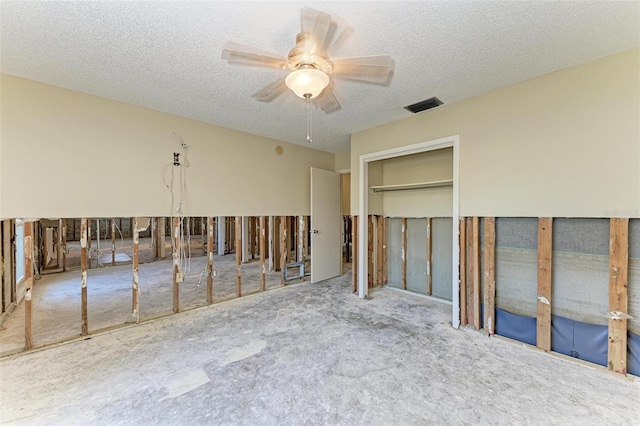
{"x":363,"y":207}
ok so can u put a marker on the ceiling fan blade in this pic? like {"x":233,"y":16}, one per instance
{"x":339,"y":32}
{"x":317,"y":24}
{"x":371,"y":69}
{"x":245,"y":55}
{"x":327,"y":100}
{"x":271,"y":91}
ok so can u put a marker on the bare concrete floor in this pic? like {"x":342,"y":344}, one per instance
{"x":57,"y":297}
{"x":308,"y":354}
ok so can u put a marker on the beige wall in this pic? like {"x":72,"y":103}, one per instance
{"x":1,"y":216}
{"x":424,"y":167}
{"x":376,"y":178}
{"x":564,"y":144}
{"x":68,"y":154}
{"x":1,"y":197}
{"x":342,"y":161}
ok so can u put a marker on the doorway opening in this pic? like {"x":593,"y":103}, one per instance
{"x":364,"y":188}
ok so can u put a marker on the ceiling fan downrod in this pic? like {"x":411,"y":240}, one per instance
{"x":309,"y":123}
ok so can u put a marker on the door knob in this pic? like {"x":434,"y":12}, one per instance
{"x":315,"y":231}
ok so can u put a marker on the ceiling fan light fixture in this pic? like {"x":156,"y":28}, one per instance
{"x":307,"y":81}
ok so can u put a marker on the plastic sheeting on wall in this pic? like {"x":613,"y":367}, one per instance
{"x":442,"y":246}
{"x":579,"y":339}
{"x":516,"y":327}
{"x":574,"y":338}
{"x":416,"y":255}
{"x":633,"y":354}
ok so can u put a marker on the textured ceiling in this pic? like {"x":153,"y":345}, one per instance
{"x":166,"y":55}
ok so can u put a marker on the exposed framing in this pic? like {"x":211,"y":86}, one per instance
{"x":176,"y":263}
{"x":135,"y":308}
{"x":271,"y":243}
{"x":252,"y":237}
{"x":429,"y":258}
{"x":64,"y":244}
{"x":545,"y":277}
{"x":28,"y":277}
{"x":618,"y":297}
{"x":463,"y":271}
{"x":489,"y":274}
{"x":468,"y":248}
{"x":354,"y":256}
{"x":84,"y":325}
{"x":263,"y":254}
{"x":363,"y":208}
{"x":210,"y":228}
{"x":305,"y":240}
{"x":370,"y":241}
{"x":379,"y":250}
{"x":239,"y":254}
{"x":113,"y":242}
{"x":89,"y":242}
{"x":284,"y":247}
{"x":475,"y":276}
{"x":403,"y":274}
{"x":302,"y":234}
{"x":277,"y":238}
{"x":385,"y":268}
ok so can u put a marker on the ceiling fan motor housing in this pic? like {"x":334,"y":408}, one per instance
{"x":304,"y":55}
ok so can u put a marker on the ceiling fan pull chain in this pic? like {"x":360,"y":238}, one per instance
{"x":309,"y":123}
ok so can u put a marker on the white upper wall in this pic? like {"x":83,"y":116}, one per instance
{"x":69,"y":154}
{"x":566,"y":144}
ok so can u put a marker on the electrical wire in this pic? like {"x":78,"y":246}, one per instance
{"x":181,"y":210}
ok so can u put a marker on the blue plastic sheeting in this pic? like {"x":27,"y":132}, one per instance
{"x":515,"y":327}
{"x":633,"y":358}
{"x":579,"y":339}
{"x":574,"y":338}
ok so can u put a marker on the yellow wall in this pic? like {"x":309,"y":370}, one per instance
{"x":69,"y":154}
{"x":564,"y":144}
{"x":342,"y":161}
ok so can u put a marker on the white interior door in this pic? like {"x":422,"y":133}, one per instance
{"x":326,"y":246}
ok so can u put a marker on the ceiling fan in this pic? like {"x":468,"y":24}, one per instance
{"x":310,"y":68}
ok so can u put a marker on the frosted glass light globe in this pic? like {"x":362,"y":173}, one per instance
{"x":307,"y":81}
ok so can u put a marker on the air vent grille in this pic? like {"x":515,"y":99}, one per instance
{"x":424,"y":105}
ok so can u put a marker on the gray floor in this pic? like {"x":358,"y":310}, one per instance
{"x":308,"y":354}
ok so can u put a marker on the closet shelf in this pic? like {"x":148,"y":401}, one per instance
{"x":409,"y":186}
